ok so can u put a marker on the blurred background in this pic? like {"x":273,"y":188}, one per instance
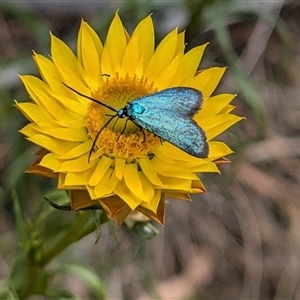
{"x":239,"y":241}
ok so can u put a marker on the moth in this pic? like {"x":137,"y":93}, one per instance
{"x":167,"y":113}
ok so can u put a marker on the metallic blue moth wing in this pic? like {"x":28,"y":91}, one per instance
{"x":168,"y":115}
{"x":186,"y":101}
{"x":180,"y":131}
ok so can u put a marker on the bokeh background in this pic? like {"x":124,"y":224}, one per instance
{"x":239,"y":241}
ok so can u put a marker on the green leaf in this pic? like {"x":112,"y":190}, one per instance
{"x":61,"y":294}
{"x":21,"y":224}
{"x":91,"y":279}
{"x":8,"y":293}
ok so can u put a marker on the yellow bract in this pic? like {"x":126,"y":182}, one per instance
{"x":126,"y":172}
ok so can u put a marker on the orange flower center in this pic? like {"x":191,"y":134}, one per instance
{"x":120,"y":139}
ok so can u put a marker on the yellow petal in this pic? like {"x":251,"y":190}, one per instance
{"x":213,"y":83}
{"x":215,"y":126}
{"x":180,"y":44}
{"x":73,"y":80}
{"x":176,"y":184}
{"x":116,"y":43}
{"x":207,"y":167}
{"x":187,"y":162}
{"x":162,"y":56}
{"x":53,"y":145}
{"x":58,"y":113}
{"x":67,"y":134}
{"x":71,"y":105}
{"x":79,"y":178}
{"x":107,"y":185}
{"x":106,"y":66}
{"x":218,"y":149}
{"x":227,"y":109}
{"x":29,"y":129}
{"x":166,"y":169}
{"x":132,"y":180}
{"x":79,"y":164}
{"x":49,"y":72}
{"x":198,"y":187}
{"x":35,"y":113}
{"x":79,"y":150}
{"x":146,"y":44}
{"x":101,"y":168}
{"x":153,"y":204}
{"x":136,"y":48}
{"x":178,"y":157}
{"x":181,"y":196}
{"x":50,"y":161}
{"x":39,"y":93}
{"x":206,"y":81}
{"x":214,"y":105}
{"x":149,"y":171}
{"x":119,"y":167}
{"x":159,"y":214}
{"x":63,"y":186}
{"x":89,"y":48}
{"x":148,"y":191}
{"x":31,"y":82}
{"x":189,"y":65}
{"x":163,"y":153}
{"x":102,"y":184}
{"x":63,"y":55}
{"x":123,"y":192}
{"x":166,"y":76}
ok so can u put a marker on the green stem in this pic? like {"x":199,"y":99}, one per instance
{"x":75,"y":232}
{"x":35,"y":279}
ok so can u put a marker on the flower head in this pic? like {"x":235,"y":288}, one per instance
{"x":129,"y":170}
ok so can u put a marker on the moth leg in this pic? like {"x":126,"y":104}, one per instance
{"x":141,"y":128}
{"x":108,"y":115}
{"x":123,"y":130}
{"x":98,"y":134}
{"x":144,"y":136}
{"x":113,"y":127}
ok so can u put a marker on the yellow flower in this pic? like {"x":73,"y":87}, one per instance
{"x":126,"y":172}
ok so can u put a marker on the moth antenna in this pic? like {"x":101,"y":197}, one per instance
{"x":98,"y":134}
{"x":90,"y":98}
